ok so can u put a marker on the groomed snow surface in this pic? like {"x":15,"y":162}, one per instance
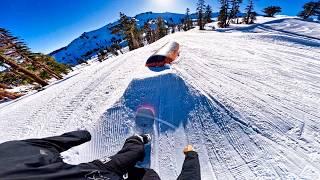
{"x":248,"y":99}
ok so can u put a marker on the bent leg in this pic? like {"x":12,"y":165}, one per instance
{"x":63,"y":142}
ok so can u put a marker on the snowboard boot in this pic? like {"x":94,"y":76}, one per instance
{"x":145,"y":138}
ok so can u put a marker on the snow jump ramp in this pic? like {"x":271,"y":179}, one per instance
{"x":183,"y":115}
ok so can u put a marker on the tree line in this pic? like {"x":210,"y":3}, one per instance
{"x":310,"y":9}
{"x":20,"y":66}
{"x":129,"y":34}
{"x":230,"y":9}
{"x":228,"y":13}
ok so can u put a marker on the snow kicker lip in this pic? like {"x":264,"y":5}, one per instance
{"x":160,"y":121}
{"x":167,"y":95}
{"x":152,"y":109}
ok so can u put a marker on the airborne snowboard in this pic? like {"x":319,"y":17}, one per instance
{"x":145,"y":125}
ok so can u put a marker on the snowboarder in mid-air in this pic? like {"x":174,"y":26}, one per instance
{"x":41,"y":159}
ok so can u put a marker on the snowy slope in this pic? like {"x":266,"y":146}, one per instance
{"x":248,"y":103}
{"x":89,"y":43}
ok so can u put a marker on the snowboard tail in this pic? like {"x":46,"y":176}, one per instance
{"x":145,"y":125}
{"x":144,"y":121}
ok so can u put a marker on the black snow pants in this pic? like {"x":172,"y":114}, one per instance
{"x":40,"y":159}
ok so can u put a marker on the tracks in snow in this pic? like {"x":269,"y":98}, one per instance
{"x":253,"y":146}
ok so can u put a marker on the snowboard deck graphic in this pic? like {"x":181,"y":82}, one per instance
{"x":145,"y":125}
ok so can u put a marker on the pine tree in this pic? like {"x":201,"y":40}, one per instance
{"x":26,"y":65}
{"x":112,"y":50}
{"x":250,"y":15}
{"x":13,"y":51}
{"x":115,"y":44}
{"x":235,"y":10}
{"x":271,"y":11}
{"x":172,"y":25}
{"x":5,"y":94}
{"x":187,"y":24}
{"x":20,"y":49}
{"x":138,"y":35}
{"x":200,"y":11}
{"x":50,"y":64}
{"x":162,"y":30}
{"x":179,"y":26}
{"x":102,"y":55}
{"x":310,"y":9}
{"x":208,"y":14}
{"x":128,"y":28}
{"x":21,"y":69}
{"x":148,"y":33}
{"x":223,"y":14}
{"x":253,"y":17}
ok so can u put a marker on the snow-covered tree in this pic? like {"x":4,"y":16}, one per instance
{"x":200,"y":11}
{"x":310,"y":9}
{"x":271,"y":11}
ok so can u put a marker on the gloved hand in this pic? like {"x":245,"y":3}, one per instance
{"x":188,"y":148}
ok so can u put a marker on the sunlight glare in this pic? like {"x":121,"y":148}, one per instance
{"x":164,"y":3}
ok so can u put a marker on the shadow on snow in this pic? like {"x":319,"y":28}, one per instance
{"x":174,"y":105}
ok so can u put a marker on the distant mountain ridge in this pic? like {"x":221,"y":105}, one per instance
{"x":89,"y":43}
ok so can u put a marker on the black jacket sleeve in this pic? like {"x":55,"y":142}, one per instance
{"x":191,"y":167}
{"x":63,"y":142}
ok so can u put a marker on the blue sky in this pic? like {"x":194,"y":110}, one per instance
{"x":47,"y":25}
